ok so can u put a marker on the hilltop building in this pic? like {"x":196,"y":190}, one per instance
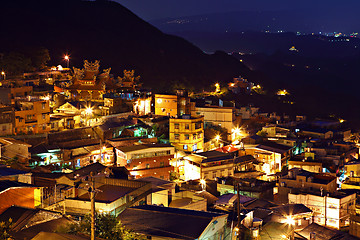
{"x":88,"y":84}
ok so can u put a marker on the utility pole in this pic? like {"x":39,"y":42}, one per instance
{"x":101,"y":157}
{"x":92,"y":198}
{"x":238,"y":209}
{"x":55,"y":194}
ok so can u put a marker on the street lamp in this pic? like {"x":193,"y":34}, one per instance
{"x":290,"y":221}
{"x":88,"y":112}
{"x":217,"y":137}
{"x":203,"y":184}
{"x":67,"y":59}
{"x":217,"y":87}
{"x":3,"y":75}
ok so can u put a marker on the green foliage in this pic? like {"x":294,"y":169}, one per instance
{"x":262,"y":134}
{"x":15,"y":63}
{"x":31,"y":59}
{"x":106,"y":227}
{"x":5,"y":228}
{"x":173,"y":176}
{"x":211,"y":131}
{"x":40,"y":58}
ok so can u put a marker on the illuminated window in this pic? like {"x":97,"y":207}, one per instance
{"x":187,"y":126}
{"x":185,"y":147}
{"x":43,"y":105}
{"x":177,"y":137}
{"x":176,"y":126}
{"x":147,"y":165}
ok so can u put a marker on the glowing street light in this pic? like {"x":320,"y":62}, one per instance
{"x":88,"y":111}
{"x":290,"y":221}
{"x":236,"y":133}
{"x":3,"y":75}
{"x":282,"y":92}
{"x":203,"y":184}
{"x":217,"y":85}
{"x":217,"y":137}
{"x":67,"y":59}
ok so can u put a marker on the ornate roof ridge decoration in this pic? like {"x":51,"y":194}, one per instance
{"x":78,"y":73}
{"x":91,"y":66}
{"x":129,"y":76}
{"x":107,"y":71}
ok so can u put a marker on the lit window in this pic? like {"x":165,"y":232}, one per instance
{"x":185,"y":147}
{"x":176,"y":126}
{"x":186,"y":126}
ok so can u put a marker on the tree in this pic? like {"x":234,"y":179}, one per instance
{"x":5,"y":228}
{"x":40,"y":57}
{"x":15,"y":63}
{"x":106,"y":227}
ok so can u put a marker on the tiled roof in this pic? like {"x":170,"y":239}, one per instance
{"x":167,"y":222}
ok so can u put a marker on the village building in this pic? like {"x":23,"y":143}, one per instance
{"x":145,"y":160}
{"x":88,"y":84}
{"x":186,"y":133}
{"x":174,"y":223}
{"x":32,"y":116}
{"x":331,"y":209}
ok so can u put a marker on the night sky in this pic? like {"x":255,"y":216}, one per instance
{"x":154,"y":9}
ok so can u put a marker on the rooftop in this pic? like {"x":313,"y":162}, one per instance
{"x":108,"y":193}
{"x":5,"y":184}
{"x":167,"y":222}
{"x":143,"y":146}
{"x":323,"y":233}
{"x":291,"y":209}
{"x":7,"y":171}
{"x":274,"y":147}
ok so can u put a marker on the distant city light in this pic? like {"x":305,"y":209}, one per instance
{"x":282,"y":92}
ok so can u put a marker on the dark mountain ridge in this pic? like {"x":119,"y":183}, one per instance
{"x":306,"y":21}
{"x":107,"y":31}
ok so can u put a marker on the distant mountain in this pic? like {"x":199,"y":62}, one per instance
{"x":260,"y":42}
{"x":268,"y":31}
{"x":107,"y":31}
{"x":303,"y":20}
